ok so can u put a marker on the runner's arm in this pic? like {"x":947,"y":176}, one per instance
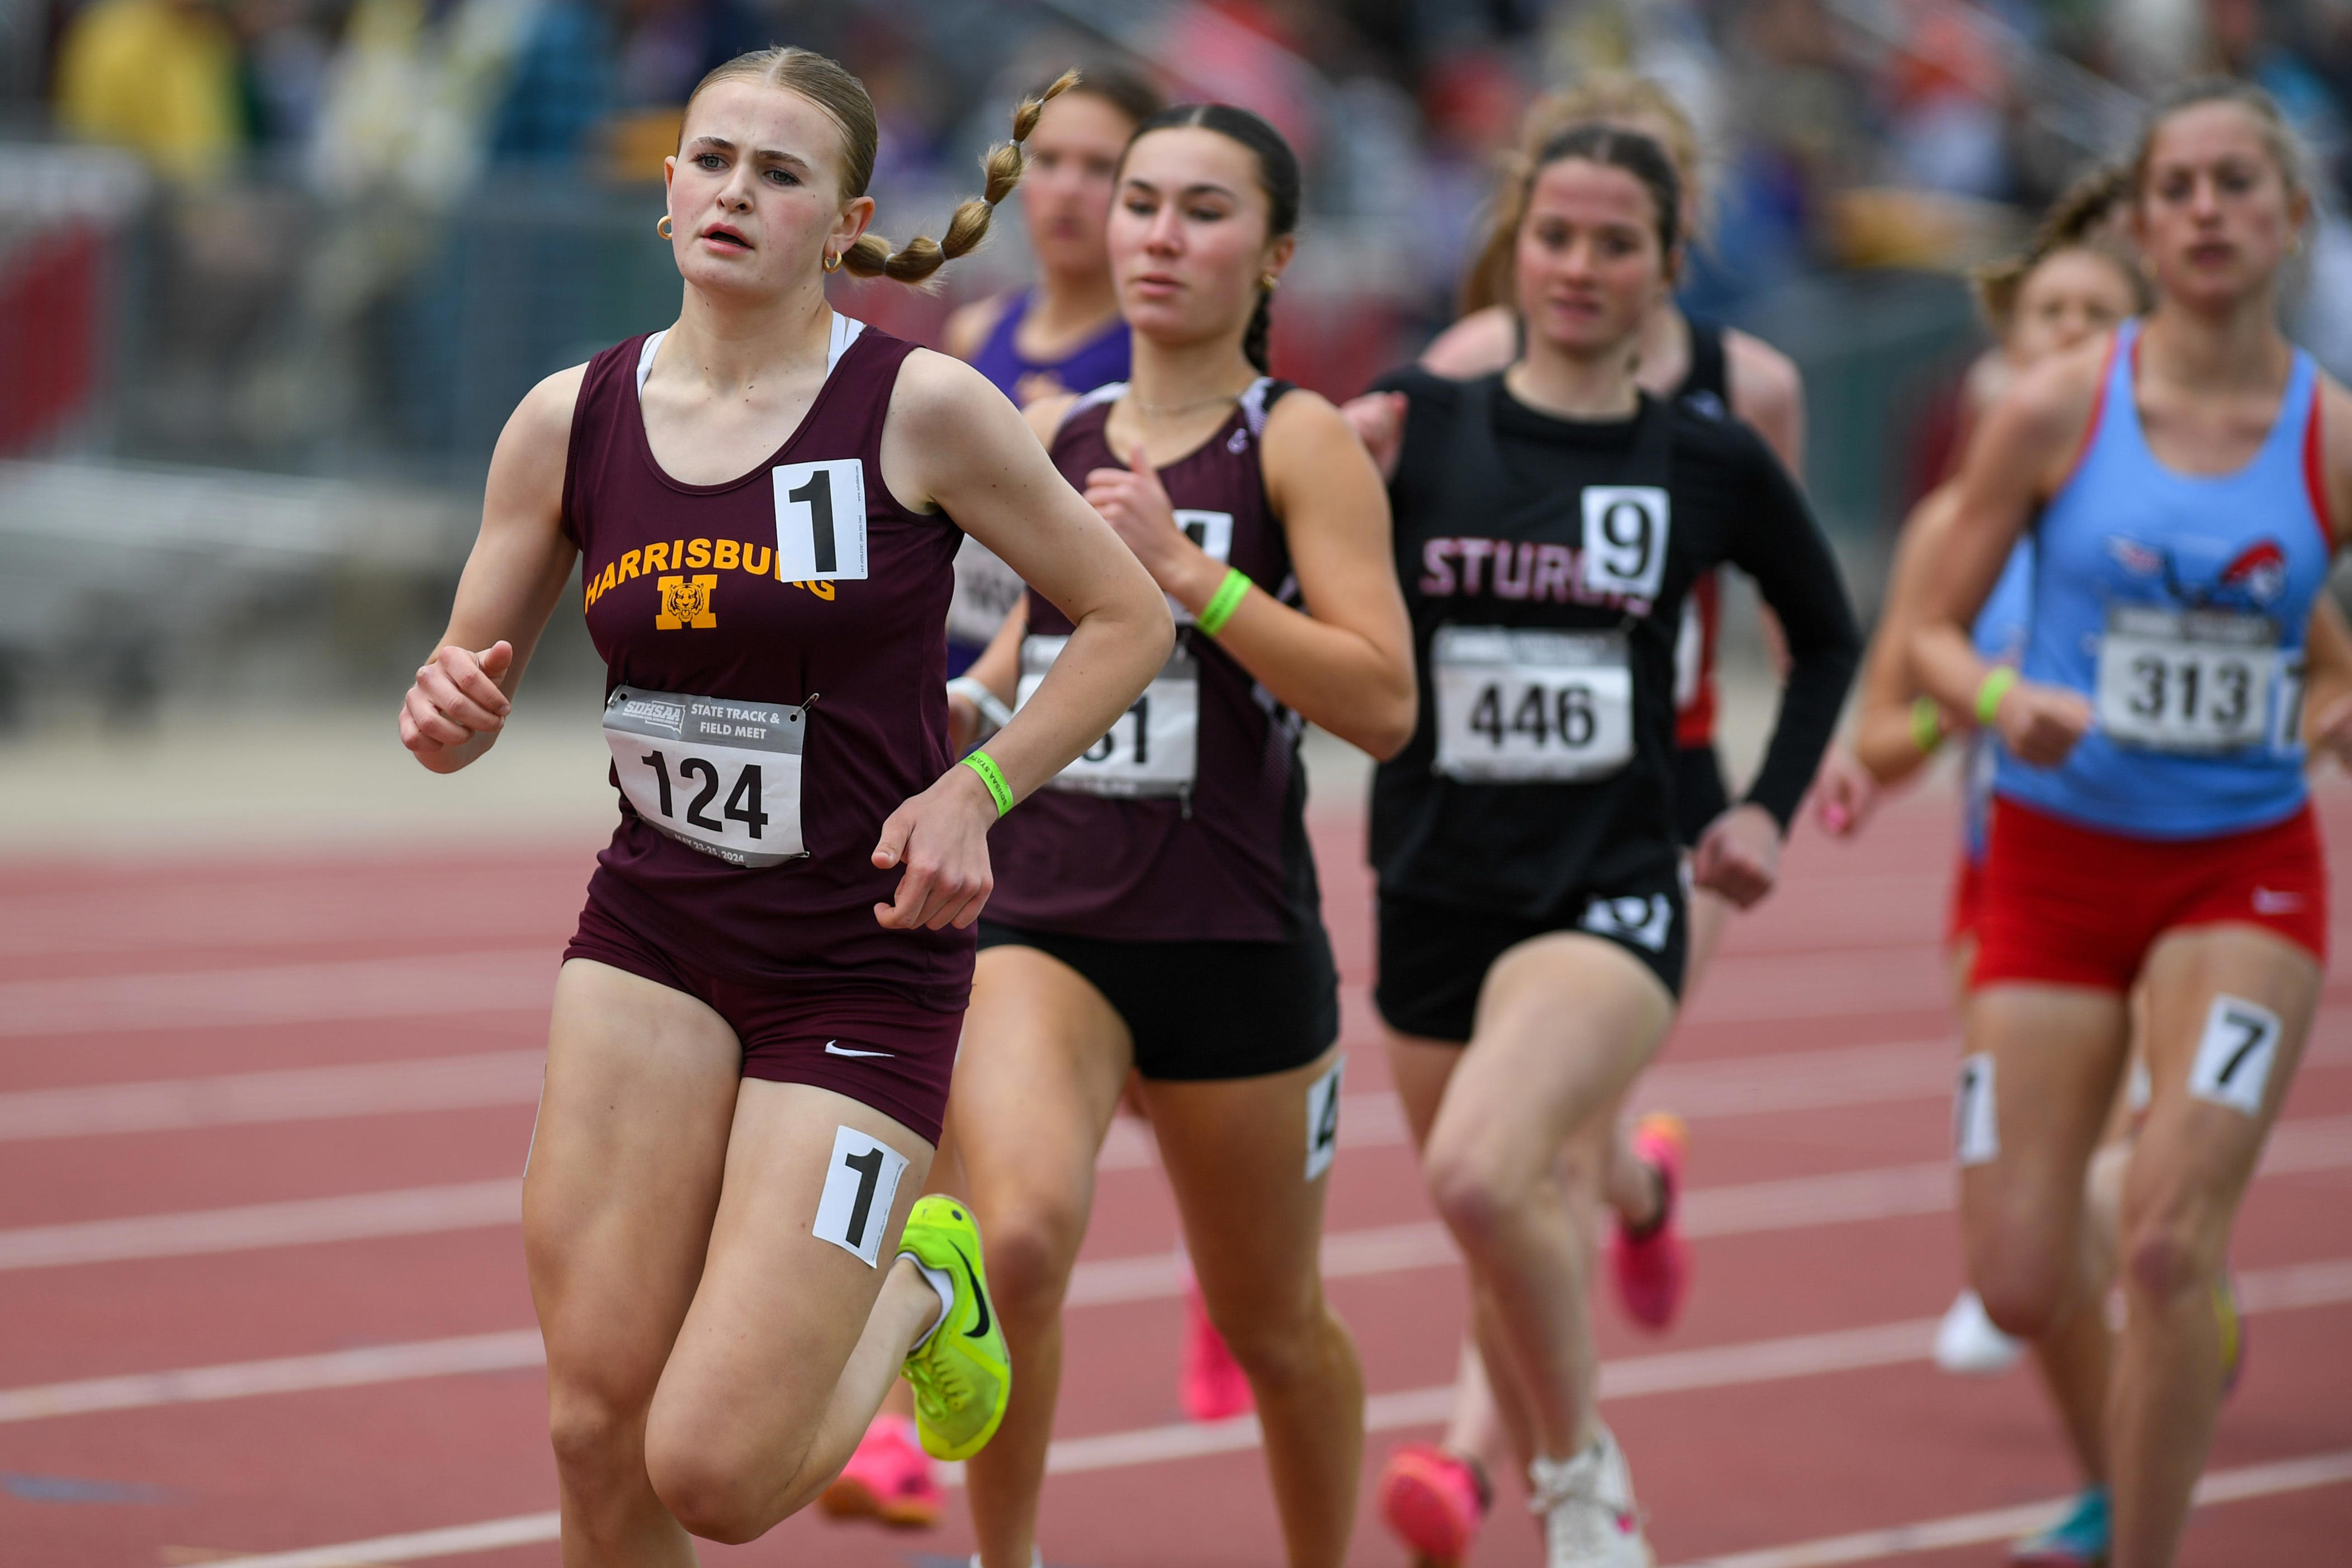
{"x":2327,"y":681}
{"x":2019,"y":457}
{"x":1345,"y":664}
{"x":1886,"y":733}
{"x":459,"y":702}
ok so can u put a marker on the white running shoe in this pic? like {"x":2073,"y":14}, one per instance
{"x":1968,"y":1343}
{"x":1590,"y":1519}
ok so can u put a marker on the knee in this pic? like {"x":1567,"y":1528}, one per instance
{"x":2167,"y":1259}
{"x":1478,"y":1194}
{"x":1031,"y":1247}
{"x":715,"y":1494}
{"x":2025,"y":1284}
{"x":594,"y":1431}
{"x":1281,"y":1348}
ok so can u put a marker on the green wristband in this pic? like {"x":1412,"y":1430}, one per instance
{"x":1996,"y":686}
{"x":1223,"y":602}
{"x":981,"y":763}
{"x":1927,"y":726}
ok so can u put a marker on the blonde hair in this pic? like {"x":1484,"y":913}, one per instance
{"x":843,"y":100}
{"x":2081,"y":218}
{"x":1608,"y":98}
{"x":2285,"y":146}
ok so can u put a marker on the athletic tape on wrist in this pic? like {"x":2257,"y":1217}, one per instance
{"x":1996,"y":686}
{"x":1223,"y":602}
{"x":1927,"y":726}
{"x":981,"y":763}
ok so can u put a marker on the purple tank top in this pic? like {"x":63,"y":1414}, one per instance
{"x":687,"y":597}
{"x":1099,"y":361}
{"x":1224,"y":857}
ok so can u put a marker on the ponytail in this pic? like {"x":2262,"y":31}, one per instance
{"x":872,"y":257}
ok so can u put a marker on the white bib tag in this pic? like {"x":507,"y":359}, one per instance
{"x":860,"y":1185}
{"x":716,"y":774}
{"x":1214,"y":532}
{"x":1975,"y":1120}
{"x":986,"y":591}
{"x":1517,"y":705}
{"x":1153,"y":750}
{"x":1323,"y":1119}
{"x":2187,"y":680}
{"x":821,"y":521}
{"x":1624,"y":549}
{"x":2234,"y":1054}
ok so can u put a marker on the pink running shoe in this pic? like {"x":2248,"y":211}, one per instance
{"x":1652,"y":1266}
{"x":888,"y":1479}
{"x":1211,"y":1386}
{"x":1434,"y":1500}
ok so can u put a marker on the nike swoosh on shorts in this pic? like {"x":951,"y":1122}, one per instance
{"x":2266,"y":901}
{"x":833,"y":1050}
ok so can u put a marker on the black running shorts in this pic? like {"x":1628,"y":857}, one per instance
{"x":1435,"y":957}
{"x":1205,"y":1012}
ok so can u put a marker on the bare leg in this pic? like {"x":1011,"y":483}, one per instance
{"x":1236,"y":1157}
{"x":2189,"y":1172}
{"x":1044,"y":1060}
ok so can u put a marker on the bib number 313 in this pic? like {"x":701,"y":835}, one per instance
{"x":716,"y":774}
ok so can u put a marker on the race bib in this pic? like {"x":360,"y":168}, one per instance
{"x":2187,"y":680}
{"x":1153,"y":750}
{"x":717,"y":775}
{"x":821,"y":521}
{"x":1521,"y":706}
{"x":986,"y":591}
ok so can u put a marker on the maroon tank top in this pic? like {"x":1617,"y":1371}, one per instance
{"x":836,"y":678}
{"x":1223,"y":857}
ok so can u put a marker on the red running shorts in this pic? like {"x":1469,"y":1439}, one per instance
{"x":2071,"y":905}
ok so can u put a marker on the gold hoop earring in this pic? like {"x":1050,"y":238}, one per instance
{"x":661,"y":225}
{"x":833,"y":261}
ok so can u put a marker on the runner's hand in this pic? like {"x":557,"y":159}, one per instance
{"x":1739,"y":856}
{"x":455,"y":697}
{"x":941,"y":838}
{"x":1136,"y":505}
{"x":1844,"y":794}
{"x":1379,"y":420}
{"x":2038,"y":724}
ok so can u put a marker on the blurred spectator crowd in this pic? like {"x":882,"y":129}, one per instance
{"x":315,"y":158}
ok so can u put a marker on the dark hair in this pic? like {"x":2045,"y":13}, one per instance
{"x":1277,"y":177}
{"x":2285,"y":148}
{"x":843,"y":97}
{"x":1615,"y":147}
{"x":2081,"y":218}
{"x":1129,"y":92}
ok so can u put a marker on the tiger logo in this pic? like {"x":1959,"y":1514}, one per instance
{"x":686,"y":602}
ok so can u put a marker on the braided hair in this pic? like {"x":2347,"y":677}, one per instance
{"x":825,"y":83}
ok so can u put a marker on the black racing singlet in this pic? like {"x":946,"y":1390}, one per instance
{"x":1187,"y":821}
{"x":1545,"y":563}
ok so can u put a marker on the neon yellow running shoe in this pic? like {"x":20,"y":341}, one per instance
{"x":961,"y":1373}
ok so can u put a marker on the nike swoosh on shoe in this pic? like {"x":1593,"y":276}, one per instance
{"x":979,"y":1298}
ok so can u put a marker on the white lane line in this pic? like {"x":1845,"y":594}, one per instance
{"x":1720,"y":1367}
{"x":411,"y":1211}
{"x":2308,"y":1144}
{"x":521,"y":980}
{"x":2001,"y":1523}
{"x":295,"y":1095}
{"x":502,"y":1352}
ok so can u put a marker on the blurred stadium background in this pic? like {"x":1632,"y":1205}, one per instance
{"x":273,"y":272}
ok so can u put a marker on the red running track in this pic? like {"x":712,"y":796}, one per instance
{"x":261,"y":1122}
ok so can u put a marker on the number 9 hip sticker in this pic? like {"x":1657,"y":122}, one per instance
{"x":1624,"y":539}
{"x":2234,"y":1058}
{"x":860,"y":1185}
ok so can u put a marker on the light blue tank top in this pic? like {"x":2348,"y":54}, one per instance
{"x":2176,"y":603}
{"x":2000,"y":638}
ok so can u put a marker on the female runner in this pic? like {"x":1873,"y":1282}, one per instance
{"x":754,"y":1024}
{"x":2180,"y":480}
{"x":1065,"y":334}
{"x":1157,"y":909}
{"x":1532,"y":931}
{"x":1436,"y":1496}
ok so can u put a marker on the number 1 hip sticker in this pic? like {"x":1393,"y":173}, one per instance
{"x":860,"y":1185}
{"x":2233,"y":1058}
{"x":1976,"y":1123}
{"x":1323,"y":1120}
{"x":821,"y":521}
